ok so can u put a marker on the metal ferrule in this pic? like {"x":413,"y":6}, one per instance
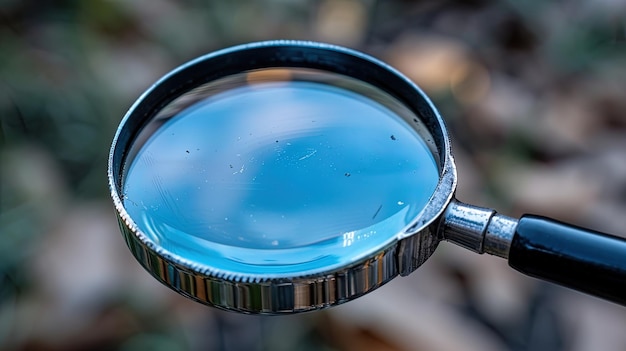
{"x":478,"y":229}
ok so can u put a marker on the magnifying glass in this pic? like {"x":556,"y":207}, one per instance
{"x":286,"y":176}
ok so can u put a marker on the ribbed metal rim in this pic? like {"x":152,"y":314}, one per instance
{"x":275,"y":294}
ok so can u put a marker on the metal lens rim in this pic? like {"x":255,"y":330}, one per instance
{"x":391,"y":259}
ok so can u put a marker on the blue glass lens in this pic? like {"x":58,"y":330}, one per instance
{"x":279,"y":172}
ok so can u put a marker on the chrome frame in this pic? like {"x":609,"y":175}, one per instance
{"x":442,"y":219}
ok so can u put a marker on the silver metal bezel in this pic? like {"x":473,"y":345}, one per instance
{"x":277,"y":294}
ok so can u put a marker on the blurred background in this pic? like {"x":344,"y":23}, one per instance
{"x":534,"y":94}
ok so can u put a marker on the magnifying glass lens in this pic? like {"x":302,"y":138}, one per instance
{"x":279,"y":171}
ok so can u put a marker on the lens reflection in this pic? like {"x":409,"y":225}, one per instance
{"x":278,"y":171}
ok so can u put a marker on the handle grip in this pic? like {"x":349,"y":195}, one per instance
{"x":585,"y":260}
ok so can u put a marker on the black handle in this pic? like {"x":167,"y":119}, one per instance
{"x":585,"y":260}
